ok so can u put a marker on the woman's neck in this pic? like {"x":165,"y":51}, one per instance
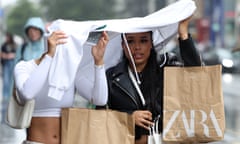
{"x":139,"y":68}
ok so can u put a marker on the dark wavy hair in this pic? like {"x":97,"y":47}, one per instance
{"x":124,"y":56}
{"x":151,"y":82}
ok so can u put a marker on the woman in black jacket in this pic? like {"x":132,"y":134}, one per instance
{"x":123,"y":94}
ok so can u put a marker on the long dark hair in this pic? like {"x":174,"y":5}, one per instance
{"x":124,"y":58}
{"x":151,"y":82}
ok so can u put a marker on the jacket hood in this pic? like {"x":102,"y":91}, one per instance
{"x":36,"y":22}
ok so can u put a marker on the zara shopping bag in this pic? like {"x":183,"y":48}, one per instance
{"x":193,"y":104}
{"x":90,"y":126}
{"x":19,"y":115}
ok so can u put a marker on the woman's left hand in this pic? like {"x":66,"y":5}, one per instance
{"x":99,"y":50}
{"x":143,"y":118}
{"x":183,"y":28}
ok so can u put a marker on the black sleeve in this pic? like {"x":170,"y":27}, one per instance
{"x":100,"y":107}
{"x":189,"y":53}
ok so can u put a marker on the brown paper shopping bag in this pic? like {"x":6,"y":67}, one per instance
{"x":193,"y":104}
{"x":89,"y":126}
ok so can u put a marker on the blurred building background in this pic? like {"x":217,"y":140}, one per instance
{"x":215,"y":28}
{"x":216,"y":21}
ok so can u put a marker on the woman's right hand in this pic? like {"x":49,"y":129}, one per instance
{"x":56,"y":38}
{"x":143,"y":118}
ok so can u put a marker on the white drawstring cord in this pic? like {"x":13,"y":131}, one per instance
{"x":131,"y":57}
{"x":136,"y":86}
{"x":135,"y":82}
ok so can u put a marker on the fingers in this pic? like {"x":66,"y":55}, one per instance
{"x":105,"y":36}
{"x":143,"y":118}
{"x":146,"y":115}
{"x":56,"y":38}
{"x":145,"y":124}
{"x":183,"y":28}
{"x":99,"y":50}
{"x":102,"y":42}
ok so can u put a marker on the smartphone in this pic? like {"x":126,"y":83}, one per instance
{"x":93,"y":38}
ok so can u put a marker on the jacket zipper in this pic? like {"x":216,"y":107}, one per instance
{"x":127,"y":94}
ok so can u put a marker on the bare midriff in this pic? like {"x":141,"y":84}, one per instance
{"x":45,"y":130}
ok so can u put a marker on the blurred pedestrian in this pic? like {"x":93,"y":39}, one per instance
{"x":8,"y":50}
{"x":33,"y":47}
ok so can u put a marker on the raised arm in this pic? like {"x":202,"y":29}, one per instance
{"x":31,"y":76}
{"x":95,"y":91}
{"x":189,"y":53}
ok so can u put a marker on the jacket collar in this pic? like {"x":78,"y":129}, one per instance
{"x":122,"y":79}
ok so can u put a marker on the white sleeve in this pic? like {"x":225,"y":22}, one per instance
{"x":94,"y":91}
{"x":30,"y":77}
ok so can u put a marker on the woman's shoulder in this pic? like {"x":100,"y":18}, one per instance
{"x":24,"y":62}
{"x":119,"y":69}
{"x":25,"y":65}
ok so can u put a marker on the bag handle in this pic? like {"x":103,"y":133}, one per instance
{"x":16,"y":96}
{"x":154,"y":128}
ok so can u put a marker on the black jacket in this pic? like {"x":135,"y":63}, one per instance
{"x":123,"y":95}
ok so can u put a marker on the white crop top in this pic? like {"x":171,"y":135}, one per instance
{"x":31,"y":81}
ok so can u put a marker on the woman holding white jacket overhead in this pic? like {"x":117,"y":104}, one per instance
{"x":32,"y":82}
